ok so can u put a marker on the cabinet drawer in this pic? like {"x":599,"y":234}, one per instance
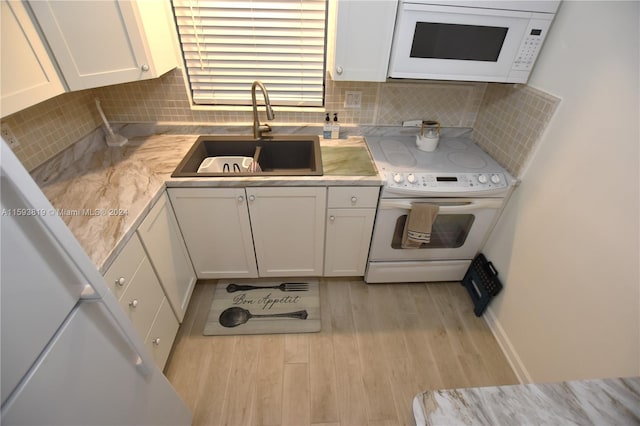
{"x":353,"y":196}
{"x":142,"y":298}
{"x":162,"y":333}
{"x":121,"y":272}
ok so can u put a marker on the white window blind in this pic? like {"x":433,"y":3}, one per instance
{"x":229,"y":44}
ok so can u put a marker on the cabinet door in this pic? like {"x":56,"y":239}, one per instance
{"x":360,"y":39}
{"x":27,"y":74}
{"x":165,"y":247}
{"x":216,"y":229}
{"x":98,"y":43}
{"x":288,"y":230}
{"x":348,"y":238}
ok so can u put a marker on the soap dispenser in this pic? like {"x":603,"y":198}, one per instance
{"x":326,"y":130}
{"x":335,"y":128}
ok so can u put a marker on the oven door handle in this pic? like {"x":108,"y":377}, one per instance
{"x":476,"y":204}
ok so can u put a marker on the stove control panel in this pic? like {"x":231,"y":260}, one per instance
{"x":445,"y":182}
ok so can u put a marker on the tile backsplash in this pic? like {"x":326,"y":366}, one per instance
{"x":452,"y":104}
{"x":165,"y":100}
{"x":48,"y":128}
{"x":511,"y":121}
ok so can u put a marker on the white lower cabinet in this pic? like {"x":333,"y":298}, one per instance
{"x":288,"y":230}
{"x":257,"y":231}
{"x":216,"y":229}
{"x":350,"y":216}
{"x":163,"y":243}
{"x":134,"y":283}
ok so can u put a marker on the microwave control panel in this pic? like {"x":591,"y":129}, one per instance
{"x":531,"y":44}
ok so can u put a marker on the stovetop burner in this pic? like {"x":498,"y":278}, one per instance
{"x":397,"y":154}
{"x":466,"y":160}
{"x":456,"y":167}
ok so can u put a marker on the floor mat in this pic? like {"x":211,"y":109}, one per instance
{"x":264,"y":307}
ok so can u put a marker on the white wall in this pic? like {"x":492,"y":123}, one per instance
{"x":567,"y":247}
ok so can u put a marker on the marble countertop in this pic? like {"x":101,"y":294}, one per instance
{"x":586,"y":402}
{"x":103,"y":193}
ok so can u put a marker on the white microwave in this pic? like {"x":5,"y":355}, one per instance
{"x":496,"y":41}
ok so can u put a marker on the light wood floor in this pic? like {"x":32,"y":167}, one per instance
{"x":379,"y":346}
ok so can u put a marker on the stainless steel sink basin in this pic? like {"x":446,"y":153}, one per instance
{"x":287,"y":155}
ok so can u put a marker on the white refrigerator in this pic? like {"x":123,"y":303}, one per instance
{"x":68,"y":354}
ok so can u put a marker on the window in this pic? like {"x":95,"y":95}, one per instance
{"x":229,"y":44}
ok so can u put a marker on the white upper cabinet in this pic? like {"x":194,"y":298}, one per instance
{"x":359,"y":37}
{"x":98,"y":43}
{"x":27,"y":74}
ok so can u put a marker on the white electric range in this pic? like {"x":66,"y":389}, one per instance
{"x":469,"y":187}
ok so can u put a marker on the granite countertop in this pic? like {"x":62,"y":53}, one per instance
{"x":586,"y":402}
{"x":103,"y":194}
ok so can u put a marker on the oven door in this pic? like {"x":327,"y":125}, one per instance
{"x":463,"y":43}
{"x":458,"y":232}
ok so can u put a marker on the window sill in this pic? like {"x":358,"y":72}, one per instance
{"x":247,"y":108}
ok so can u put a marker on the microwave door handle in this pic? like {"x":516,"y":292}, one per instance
{"x":486,"y":203}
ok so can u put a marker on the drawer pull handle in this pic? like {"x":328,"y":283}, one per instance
{"x":240,"y":199}
{"x":332,"y":218}
{"x":156,"y":341}
{"x":133,"y":303}
{"x":121,"y":281}
{"x":354,"y":199}
{"x":252,"y":197}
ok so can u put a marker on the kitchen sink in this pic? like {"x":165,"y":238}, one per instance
{"x":286,"y":155}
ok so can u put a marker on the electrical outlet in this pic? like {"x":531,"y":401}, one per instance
{"x":8,"y":136}
{"x":352,"y":99}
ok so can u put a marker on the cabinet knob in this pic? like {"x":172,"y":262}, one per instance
{"x":339,"y":70}
{"x":121,"y":281}
{"x":252,"y":197}
{"x":240,"y":199}
{"x":133,"y":303}
{"x":354,"y":200}
{"x":332,"y":218}
{"x":144,"y":67}
{"x":156,"y":341}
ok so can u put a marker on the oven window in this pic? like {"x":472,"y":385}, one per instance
{"x":455,"y":41}
{"x":448,"y":231}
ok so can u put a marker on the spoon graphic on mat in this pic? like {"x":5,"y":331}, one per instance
{"x":234,"y":316}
